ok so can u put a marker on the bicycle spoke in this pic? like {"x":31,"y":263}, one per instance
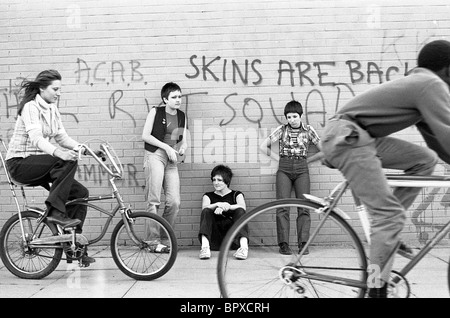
{"x":141,"y":261}
{"x":333,"y":269}
{"x":21,"y":260}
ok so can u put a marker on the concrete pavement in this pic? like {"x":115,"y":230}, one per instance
{"x":189,"y":278}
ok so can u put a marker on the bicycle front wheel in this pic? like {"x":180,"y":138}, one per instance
{"x":16,"y":254}
{"x":139,"y":253}
{"x":334,"y":268}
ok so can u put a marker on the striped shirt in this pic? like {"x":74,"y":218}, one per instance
{"x":294,"y":142}
{"x":38,"y":123}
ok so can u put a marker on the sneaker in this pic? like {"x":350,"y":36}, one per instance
{"x":241,"y":253}
{"x":285,"y":249}
{"x":87,"y":260}
{"x":405,"y":251}
{"x":205,"y":253}
{"x":301,"y":247}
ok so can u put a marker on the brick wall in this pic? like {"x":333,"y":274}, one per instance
{"x":238,"y":63}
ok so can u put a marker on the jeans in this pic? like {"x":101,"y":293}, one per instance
{"x":361,"y":160}
{"x":294,"y":173}
{"x":161,"y":174}
{"x":42,"y":170}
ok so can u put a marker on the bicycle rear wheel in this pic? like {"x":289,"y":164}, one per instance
{"x":22,"y":260}
{"x":448,"y":276}
{"x":144,"y":260}
{"x":335,"y":267}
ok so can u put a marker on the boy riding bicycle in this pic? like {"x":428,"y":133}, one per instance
{"x":357,"y":141}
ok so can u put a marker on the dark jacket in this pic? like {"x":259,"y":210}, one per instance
{"x":160,"y":126}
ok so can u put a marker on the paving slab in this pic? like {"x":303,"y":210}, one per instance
{"x":189,"y":278}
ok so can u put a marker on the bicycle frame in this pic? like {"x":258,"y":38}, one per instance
{"x":420,"y":181}
{"x":119,"y":207}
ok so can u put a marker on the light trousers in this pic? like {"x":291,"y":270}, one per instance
{"x":161,"y":174}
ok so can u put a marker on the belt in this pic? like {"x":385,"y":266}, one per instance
{"x":294,"y":157}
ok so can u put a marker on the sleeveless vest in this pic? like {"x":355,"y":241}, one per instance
{"x":160,"y":126}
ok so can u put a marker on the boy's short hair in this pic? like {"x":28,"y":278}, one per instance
{"x":169,"y":88}
{"x":434,"y":55}
{"x":223,"y":171}
{"x":293,"y":107}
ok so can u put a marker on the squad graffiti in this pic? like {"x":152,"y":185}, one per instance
{"x":313,"y":104}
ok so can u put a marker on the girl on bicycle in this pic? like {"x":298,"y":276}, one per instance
{"x":33,"y":160}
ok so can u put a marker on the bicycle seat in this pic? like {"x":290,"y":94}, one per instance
{"x":65,"y":223}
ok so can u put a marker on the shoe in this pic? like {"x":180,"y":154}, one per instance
{"x":301,"y":247}
{"x":86,"y":260}
{"x":378,"y":292}
{"x":241,"y":253}
{"x":405,"y":251}
{"x":205,"y":253}
{"x":65,"y":222}
{"x":285,"y":249}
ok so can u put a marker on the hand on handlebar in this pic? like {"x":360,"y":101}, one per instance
{"x":101,"y":154}
{"x":83,"y":151}
{"x":65,"y":154}
{"x":105,"y":153}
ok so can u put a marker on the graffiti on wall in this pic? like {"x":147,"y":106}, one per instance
{"x":323,"y":85}
{"x":98,"y":175}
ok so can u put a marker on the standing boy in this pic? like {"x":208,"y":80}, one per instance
{"x":294,"y":139}
{"x":164,"y":136}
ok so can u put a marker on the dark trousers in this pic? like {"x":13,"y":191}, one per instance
{"x":215,"y":227}
{"x":292,"y":173}
{"x":42,"y":170}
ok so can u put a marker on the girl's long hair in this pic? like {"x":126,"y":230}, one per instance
{"x":43,"y":80}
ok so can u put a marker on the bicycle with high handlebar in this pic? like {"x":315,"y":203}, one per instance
{"x":337,"y":266}
{"x":32,"y":247}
